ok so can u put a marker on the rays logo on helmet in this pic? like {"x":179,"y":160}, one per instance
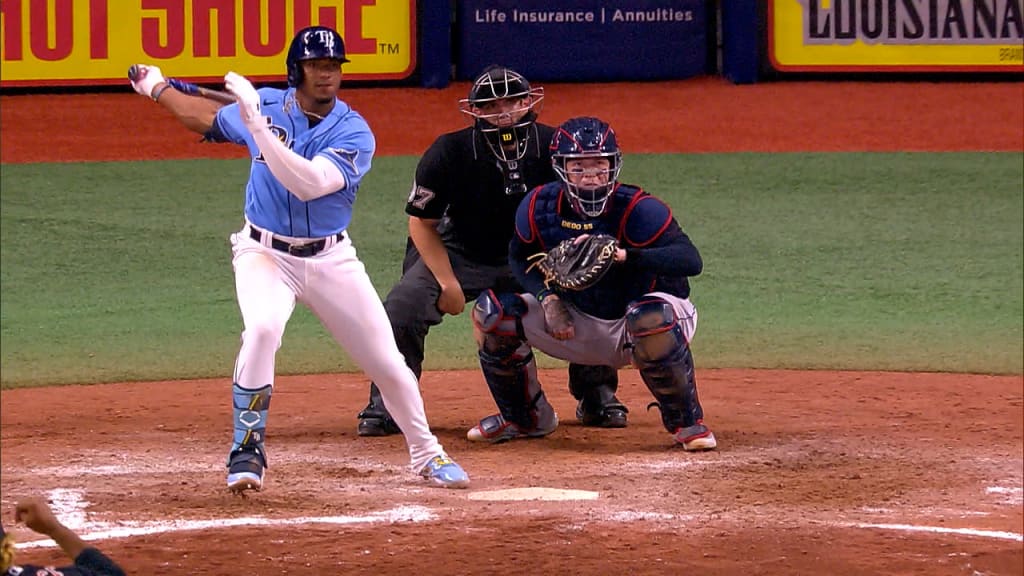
{"x":324,"y":37}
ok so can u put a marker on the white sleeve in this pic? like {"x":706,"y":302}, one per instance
{"x":306,"y":179}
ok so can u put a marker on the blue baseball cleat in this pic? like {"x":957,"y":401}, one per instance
{"x":246,"y":467}
{"x":444,"y":472}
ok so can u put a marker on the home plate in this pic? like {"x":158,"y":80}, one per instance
{"x":533,"y":493}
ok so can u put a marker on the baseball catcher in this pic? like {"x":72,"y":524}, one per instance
{"x":606,"y":268}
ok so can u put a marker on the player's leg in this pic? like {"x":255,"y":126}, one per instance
{"x":594,"y":387}
{"x":411,"y":306}
{"x":359,"y":323}
{"x":266,"y":301}
{"x":510,"y":371}
{"x":660,"y":328}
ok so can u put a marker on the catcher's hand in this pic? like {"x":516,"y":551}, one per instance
{"x":577,"y":263}
{"x":557,"y":318}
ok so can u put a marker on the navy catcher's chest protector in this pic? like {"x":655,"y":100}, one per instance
{"x":556,"y":222}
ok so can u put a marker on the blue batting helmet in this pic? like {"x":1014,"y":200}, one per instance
{"x":313,"y":43}
{"x":580,"y":139}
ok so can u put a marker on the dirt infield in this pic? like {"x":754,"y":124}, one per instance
{"x":817,"y":472}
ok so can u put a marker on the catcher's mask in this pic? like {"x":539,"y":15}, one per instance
{"x":504,"y":108}
{"x":583,"y":138}
{"x":313,"y":43}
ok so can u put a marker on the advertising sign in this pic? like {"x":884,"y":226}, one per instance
{"x":69,"y":42}
{"x":588,"y":40}
{"x":896,"y":35}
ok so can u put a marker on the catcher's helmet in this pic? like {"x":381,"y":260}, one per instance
{"x":581,"y":138}
{"x":507,"y":131}
{"x":313,"y":43}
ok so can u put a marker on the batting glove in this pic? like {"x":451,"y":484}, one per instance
{"x":248,"y":100}
{"x":147,"y":79}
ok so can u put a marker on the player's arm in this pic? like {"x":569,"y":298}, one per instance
{"x":655,"y":242}
{"x":524,"y":244}
{"x":306,"y":179}
{"x":427,"y":203}
{"x":427,"y":239}
{"x":196,"y":114}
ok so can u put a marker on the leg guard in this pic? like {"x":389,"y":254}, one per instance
{"x":594,"y":387}
{"x":663,"y":356}
{"x":509,"y":367}
{"x":248,"y":458}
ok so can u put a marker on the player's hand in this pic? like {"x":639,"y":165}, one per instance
{"x":452,"y":300}
{"x":146,"y":79}
{"x":557,"y":318}
{"x":36,"y":514}
{"x":248,"y":100}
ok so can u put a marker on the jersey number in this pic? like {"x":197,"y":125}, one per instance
{"x":420,"y":196}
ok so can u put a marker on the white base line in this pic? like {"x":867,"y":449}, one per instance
{"x":944,"y":530}
{"x":127,"y":529}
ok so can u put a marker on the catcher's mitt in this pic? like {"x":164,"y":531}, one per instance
{"x":577,"y":264}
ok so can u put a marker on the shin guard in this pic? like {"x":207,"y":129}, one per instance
{"x":663,"y":356}
{"x":516,"y":390}
{"x":250,"y":420}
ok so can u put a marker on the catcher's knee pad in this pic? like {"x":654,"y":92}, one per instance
{"x":497,"y":323}
{"x":654,"y":330}
{"x":250,"y":416}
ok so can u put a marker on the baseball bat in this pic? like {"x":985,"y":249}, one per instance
{"x":188,"y":87}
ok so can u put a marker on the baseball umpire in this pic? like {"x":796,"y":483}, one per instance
{"x":637,"y":312}
{"x":461,"y":209}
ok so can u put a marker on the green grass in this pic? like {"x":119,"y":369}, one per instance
{"x":121,"y":271}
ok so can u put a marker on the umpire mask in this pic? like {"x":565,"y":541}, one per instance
{"x":504,"y":109}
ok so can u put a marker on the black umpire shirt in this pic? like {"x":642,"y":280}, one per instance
{"x":459,"y":180}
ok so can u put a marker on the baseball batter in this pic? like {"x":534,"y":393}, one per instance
{"x":310,"y":152}
{"x":639,"y":312}
{"x":461,"y":213}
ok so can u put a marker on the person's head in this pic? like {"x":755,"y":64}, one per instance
{"x":504,"y":108}
{"x":314,"y":62}
{"x":587,"y":159}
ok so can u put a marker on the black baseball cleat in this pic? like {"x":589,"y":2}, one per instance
{"x":373,"y":426}
{"x":607,"y":417}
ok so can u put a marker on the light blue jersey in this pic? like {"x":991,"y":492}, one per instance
{"x":343,"y":137}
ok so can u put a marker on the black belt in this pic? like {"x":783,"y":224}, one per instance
{"x":300,"y":250}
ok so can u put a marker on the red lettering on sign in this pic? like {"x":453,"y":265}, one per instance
{"x":11,"y":11}
{"x":354,"y":41}
{"x":98,"y":45}
{"x":201,"y":15}
{"x":38,"y":29}
{"x":175,"y":14}
{"x":251,"y":20}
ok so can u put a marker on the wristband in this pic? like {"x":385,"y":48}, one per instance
{"x":543,"y":294}
{"x":158,"y":90}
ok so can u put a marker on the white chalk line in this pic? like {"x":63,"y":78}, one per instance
{"x":106,"y":531}
{"x":943,"y":530}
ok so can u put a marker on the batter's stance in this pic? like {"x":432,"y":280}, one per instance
{"x":639,"y":312}
{"x":310,"y":151}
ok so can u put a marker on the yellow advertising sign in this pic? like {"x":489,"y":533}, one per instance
{"x":69,"y":42}
{"x":896,"y":35}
